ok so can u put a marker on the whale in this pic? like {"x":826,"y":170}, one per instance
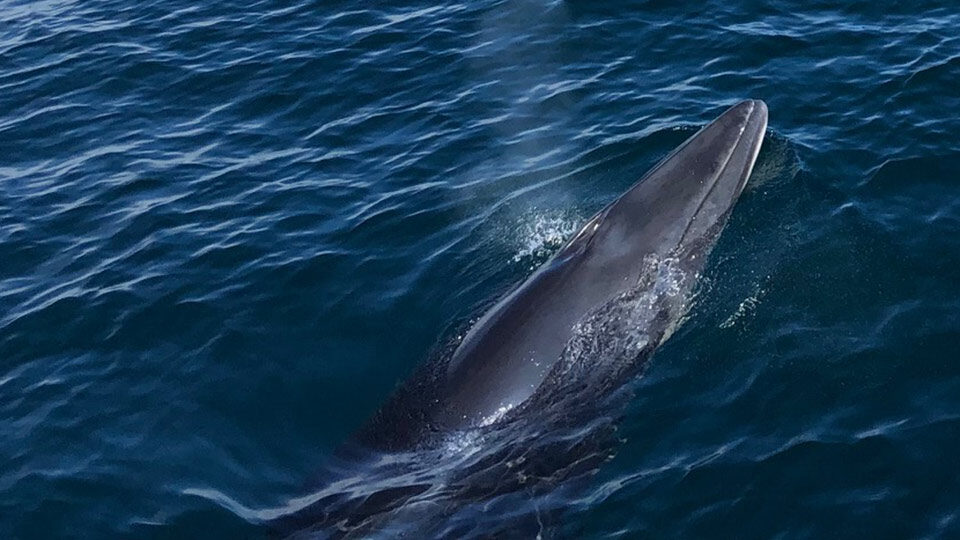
{"x":542,"y":358}
{"x":668,"y":221}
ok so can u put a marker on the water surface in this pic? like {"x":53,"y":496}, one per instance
{"x":228,"y":230}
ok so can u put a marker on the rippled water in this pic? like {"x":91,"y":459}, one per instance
{"x":228,"y":230}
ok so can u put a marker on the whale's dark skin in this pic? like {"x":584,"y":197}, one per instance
{"x":677,"y":211}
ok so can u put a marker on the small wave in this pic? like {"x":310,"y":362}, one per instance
{"x":908,"y":172}
{"x":778,"y":162}
{"x":746,"y":309}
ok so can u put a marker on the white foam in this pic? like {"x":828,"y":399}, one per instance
{"x":540,"y":233}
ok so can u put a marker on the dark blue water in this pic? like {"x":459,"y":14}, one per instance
{"x":228,"y":230}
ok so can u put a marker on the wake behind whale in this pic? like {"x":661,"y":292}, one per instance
{"x":527,"y":401}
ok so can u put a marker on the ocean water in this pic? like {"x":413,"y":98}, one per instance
{"x":229,"y":229}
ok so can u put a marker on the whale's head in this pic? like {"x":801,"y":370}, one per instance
{"x":680,"y":206}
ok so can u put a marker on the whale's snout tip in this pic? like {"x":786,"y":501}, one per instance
{"x":759,"y":107}
{"x":748,"y":109}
